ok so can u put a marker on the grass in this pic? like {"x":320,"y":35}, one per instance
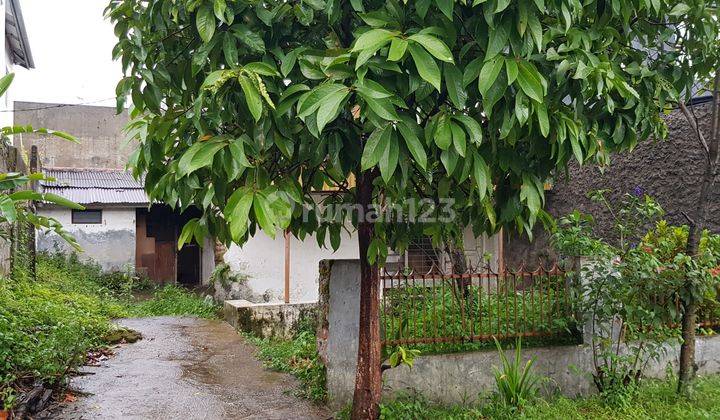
{"x":655,"y":400}
{"x":298,"y":357}
{"x":48,"y":326}
{"x":440,"y":310}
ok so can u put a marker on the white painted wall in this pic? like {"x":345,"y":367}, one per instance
{"x":111,"y":243}
{"x":262,"y":260}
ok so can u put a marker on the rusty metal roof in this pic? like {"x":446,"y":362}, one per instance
{"x":95,"y":186}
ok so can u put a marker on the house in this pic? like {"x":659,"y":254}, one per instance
{"x":120,"y":229}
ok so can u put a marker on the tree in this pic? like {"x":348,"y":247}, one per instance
{"x":457,"y":108}
{"x":708,"y":137}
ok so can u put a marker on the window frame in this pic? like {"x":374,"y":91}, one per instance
{"x":74,"y":221}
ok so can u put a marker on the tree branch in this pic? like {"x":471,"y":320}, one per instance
{"x":693,"y":124}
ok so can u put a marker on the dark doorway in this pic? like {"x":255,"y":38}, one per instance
{"x":156,"y":252}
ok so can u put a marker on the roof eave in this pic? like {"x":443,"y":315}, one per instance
{"x":16,"y":11}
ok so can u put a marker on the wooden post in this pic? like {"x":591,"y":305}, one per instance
{"x":287,"y":266}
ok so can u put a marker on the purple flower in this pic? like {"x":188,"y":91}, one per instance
{"x":638,"y":191}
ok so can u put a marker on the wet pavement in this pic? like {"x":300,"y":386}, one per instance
{"x":186,"y":368}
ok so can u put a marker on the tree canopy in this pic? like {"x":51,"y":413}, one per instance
{"x":238,"y":103}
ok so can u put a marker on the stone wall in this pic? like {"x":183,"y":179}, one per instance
{"x":269,"y":320}
{"x":668,"y":170}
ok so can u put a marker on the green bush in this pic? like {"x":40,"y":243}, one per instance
{"x":174,"y":300}
{"x":44,"y":332}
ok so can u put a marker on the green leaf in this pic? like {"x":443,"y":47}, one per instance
{"x":5,"y":82}
{"x":398,"y":46}
{"x":680,"y":9}
{"x":543,"y":121}
{"x":205,"y":22}
{"x":530,"y":81}
{"x":434,"y":46}
{"x":373,"y":39}
{"x":511,"y":68}
{"x":330,"y":107}
{"x":389,"y":159}
{"x":382,"y":107}
{"x":252,"y":96}
{"x":61,"y":201}
{"x":219,"y":7}
{"x":264,"y":69}
{"x":309,"y":102}
{"x":199,"y":155}
{"x":375,"y":147}
{"x":413,"y":144}
{"x":449,"y":160}
{"x":489,"y":73}
{"x":472,"y":127}
{"x":426,"y":66}
{"x":459,"y":139}
{"x":264,"y":214}
{"x":530,"y":195}
{"x":443,"y":134}
{"x":446,"y":7}
{"x":455,"y":87}
{"x":497,"y":41}
{"x":230,"y":49}
{"x":26,"y":129}
{"x":481,"y":173}
{"x":251,"y":39}
{"x":187,"y":233}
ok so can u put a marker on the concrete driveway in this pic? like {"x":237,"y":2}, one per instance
{"x":185,"y":368}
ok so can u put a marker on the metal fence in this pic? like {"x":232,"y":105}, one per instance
{"x":437,"y":307}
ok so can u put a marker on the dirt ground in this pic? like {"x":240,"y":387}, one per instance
{"x":185,"y":368}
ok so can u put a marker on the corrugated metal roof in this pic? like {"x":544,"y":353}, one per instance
{"x":90,"y":178}
{"x":95,"y":186}
{"x":100,"y":195}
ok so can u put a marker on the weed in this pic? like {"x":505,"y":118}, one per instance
{"x":298,"y":357}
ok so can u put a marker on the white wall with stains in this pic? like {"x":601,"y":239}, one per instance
{"x":110,"y":243}
{"x":262,"y":260}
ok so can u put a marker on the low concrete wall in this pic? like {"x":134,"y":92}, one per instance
{"x":464,"y":377}
{"x":459,"y":377}
{"x":269,"y":320}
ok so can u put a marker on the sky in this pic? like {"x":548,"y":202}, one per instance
{"x":71,"y":44}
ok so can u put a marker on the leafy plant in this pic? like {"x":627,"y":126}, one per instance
{"x":402,"y":356}
{"x":516,"y":383}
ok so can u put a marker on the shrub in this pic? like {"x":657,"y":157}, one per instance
{"x":516,"y":384}
{"x":175,"y":300}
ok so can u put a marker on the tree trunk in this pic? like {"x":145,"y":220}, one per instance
{"x":687,"y":368}
{"x":687,"y":348}
{"x":368,"y":377}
